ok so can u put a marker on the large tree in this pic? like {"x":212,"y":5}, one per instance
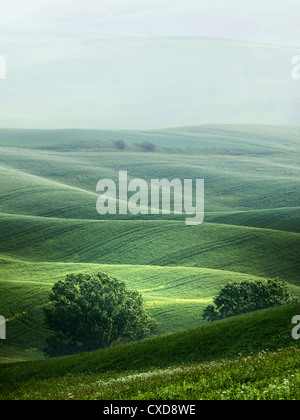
{"x":89,"y":312}
{"x":247,"y":296}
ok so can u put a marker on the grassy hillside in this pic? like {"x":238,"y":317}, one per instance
{"x":260,"y":252}
{"x":265,"y":376}
{"x":175,"y":296}
{"x":49,"y":225}
{"x":284,"y":219}
{"x":244,"y":168}
{"x":206,"y":139}
{"x":115,"y":373}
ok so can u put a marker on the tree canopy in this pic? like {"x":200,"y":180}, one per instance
{"x":247,"y":296}
{"x":89,"y":312}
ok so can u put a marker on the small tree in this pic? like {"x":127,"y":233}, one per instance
{"x":120,"y":144}
{"x":89,"y":312}
{"x":148,"y":146}
{"x":247,"y":296}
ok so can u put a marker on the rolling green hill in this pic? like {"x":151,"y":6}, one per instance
{"x":244,"y":168}
{"x":175,"y":296}
{"x":195,"y":363}
{"x":260,"y":252}
{"x":49,"y":225}
{"x":206,"y":139}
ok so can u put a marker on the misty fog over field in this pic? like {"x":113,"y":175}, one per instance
{"x":148,"y":64}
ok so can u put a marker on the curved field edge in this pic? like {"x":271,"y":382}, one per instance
{"x":248,"y":250}
{"x":247,"y":335}
{"x":26,"y":194}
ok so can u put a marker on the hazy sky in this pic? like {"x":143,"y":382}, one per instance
{"x":275,"y":21}
{"x":70,"y":63}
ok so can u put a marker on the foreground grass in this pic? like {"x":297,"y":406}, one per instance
{"x":219,"y":342}
{"x":265,"y":376}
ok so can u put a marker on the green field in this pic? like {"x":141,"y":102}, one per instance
{"x":50,"y":227}
{"x":248,"y":357}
